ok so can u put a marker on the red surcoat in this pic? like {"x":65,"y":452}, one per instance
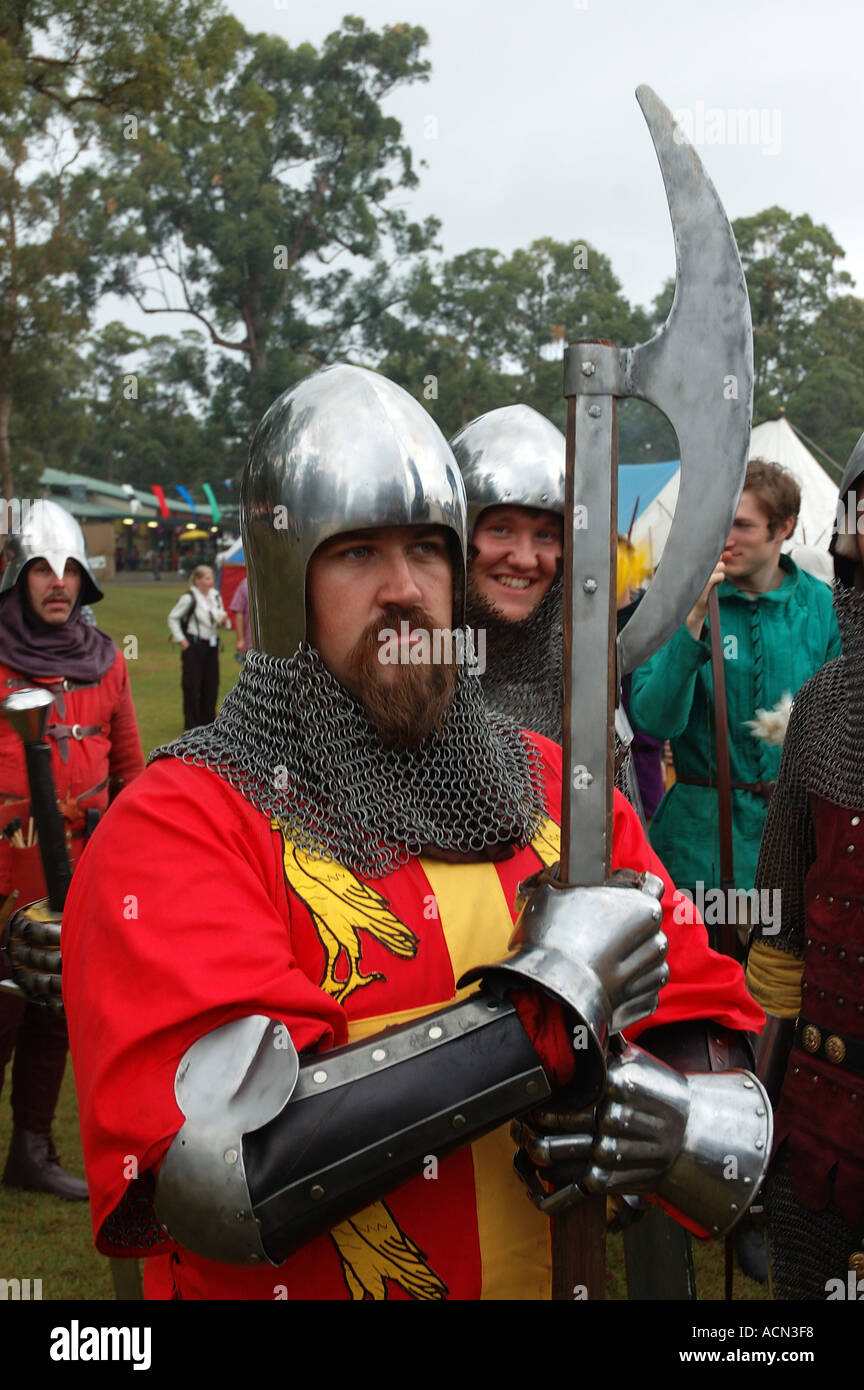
{"x":94,"y":741}
{"x":188,"y":910}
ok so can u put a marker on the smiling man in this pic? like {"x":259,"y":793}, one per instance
{"x":512,"y":463}
{"x":351,"y":834}
{"x":95,"y":748}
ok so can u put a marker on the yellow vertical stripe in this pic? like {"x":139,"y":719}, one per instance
{"x":475,"y":920}
{"x":514,"y":1237}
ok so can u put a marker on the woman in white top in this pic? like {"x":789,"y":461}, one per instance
{"x":194,"y":622}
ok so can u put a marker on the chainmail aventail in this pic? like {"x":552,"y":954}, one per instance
{"x":297,"y":746}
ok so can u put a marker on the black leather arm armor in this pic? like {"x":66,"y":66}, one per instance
{"x":360,"y":1120}
{"x":364,"y":1118}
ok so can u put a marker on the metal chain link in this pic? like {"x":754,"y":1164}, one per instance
{"x":296,"y":745}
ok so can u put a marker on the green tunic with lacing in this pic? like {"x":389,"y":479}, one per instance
{"x":772,"y":644}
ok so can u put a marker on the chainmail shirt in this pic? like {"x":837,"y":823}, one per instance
{"x":524,"y":660}
{"x":524,"y":671}
{"x":823,"y":755}
{"x":297,"y":746}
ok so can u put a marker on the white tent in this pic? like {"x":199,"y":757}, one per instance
{"x":777,"y":442}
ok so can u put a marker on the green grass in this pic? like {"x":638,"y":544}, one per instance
{"x":139,"y":612}
{"x":44,"y":1238}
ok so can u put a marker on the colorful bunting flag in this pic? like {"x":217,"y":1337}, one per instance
{"x":160,"y":498}
{"x":214,"y":506}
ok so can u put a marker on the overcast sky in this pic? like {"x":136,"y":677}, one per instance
{"x":539,"y":133}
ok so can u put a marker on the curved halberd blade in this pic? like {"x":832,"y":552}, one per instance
{"x":699,"y":371}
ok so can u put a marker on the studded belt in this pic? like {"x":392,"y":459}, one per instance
{"x":835,"y":1048}
{"x":763,"y":789}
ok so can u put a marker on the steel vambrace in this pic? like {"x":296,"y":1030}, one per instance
{"x":276,"y":1150}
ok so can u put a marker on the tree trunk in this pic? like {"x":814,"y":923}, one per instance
{"x":5,"y":452}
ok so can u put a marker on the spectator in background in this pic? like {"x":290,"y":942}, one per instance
{"x":778,"y":628}
{"x":240,"y":608}
{"x":194,"y":622}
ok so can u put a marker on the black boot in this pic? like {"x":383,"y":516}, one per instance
{"x":33,"y":1164}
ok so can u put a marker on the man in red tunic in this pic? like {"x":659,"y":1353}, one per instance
{"x":44,"y":641}
{"x":346,"y":843}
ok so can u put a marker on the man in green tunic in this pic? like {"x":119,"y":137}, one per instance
{"x":778,"y":628}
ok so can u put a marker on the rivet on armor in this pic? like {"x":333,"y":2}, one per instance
{"x":239,"y":1216}
{"x":531,"y":1088}
{"x":853,"y":1095}
{"x":811,"y":1038}
{"x":815,"y":1079}
{"x":835,"y":1049}
{"x":846,"y":905}
{"x":231,"y":1155}
{"x":747,"y":1182}
{"x":733,"y":1206}
{"x":587,"y":368}
{"x":821,"y":994}
{"x":859,"y":1008}
{"x":850,"y":849}
{"x":841,"y":955}
{"x":840,"y":1000}
{"x":254,"y":1259}
{"x":760,"y":1143}
{"x":822,"y":947}
{"x":378,"y":1054}
{"x":856,"y":820}
{"x":760,"y":1112}
{"x":861,"y":960}
{"x":436,"y":1032}
{"x":590,"y":586}
{"x":805,"y":985}
{"x":795,"y":1071}
{"x":492,"y":1006}
{"x":458,"y":1121}
{"x":748,"y":1085}
{"x":594,"y":411}
{"x":316,"y":1192}
{"x":319,"y":1077}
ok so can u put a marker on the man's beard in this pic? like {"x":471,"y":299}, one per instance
{"x":410,"y":706}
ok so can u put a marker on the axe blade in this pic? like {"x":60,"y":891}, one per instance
{"x":699,"y":371}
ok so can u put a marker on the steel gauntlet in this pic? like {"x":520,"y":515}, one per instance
{"x":699,"y":1141}
{"x":31,"y":951}
{"x":598,"y":950}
